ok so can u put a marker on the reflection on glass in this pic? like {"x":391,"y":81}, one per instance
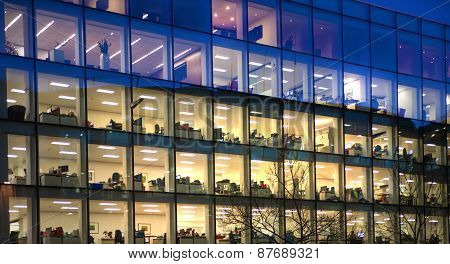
{"x":296,"y":27}
{"x":409,"y":97}
{"x":266,"y":221}
{"x":298,"y":179}
{"x":227,"y":18}
{"x":433,"y":106}
{"x":327,"y":35}
{"x":330,"y":225}
{"x":109,"y":222}
{"x":16,"y":30}
{"x":151,"y":169}
{"x":435,"y":186}
{"x":435,"y":229}
{"x":152,"y":223}
{"x":154,"y":10}
{"x":411,"y":184}
{"x":228,"y":230}
{"x":386,"y":227}
{"x":357,"y":227}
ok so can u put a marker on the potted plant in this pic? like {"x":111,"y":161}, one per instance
{"x":104,"y":56}
{"x":56,"y":54}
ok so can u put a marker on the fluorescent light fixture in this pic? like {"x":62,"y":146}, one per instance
{"x":159,"y":66}
{"x":431,"y":145}
{"x":374,"y":128}
{"x":266,"y":78}
{"x":112,"y":209}
{"x":253,"y":76}
{"x":110,"y":103}
{"x":186,"y":113}
{"x":187,"y":155}
{"x":149,"y":151}
{"x":257,"y":64}
{"x":148,"y":54}
{"x":223,"y":158}
{"x":268,"y":66}
{"x":115,"y":54}
{"x":150,"y":205}
{"x":18,"y":91}
{"x":65,"y":97}
{"x":288,"y":70}
{"x":136,"y":41}
{"x":186,"y":103}
{"x":255,"y":113}
{"x":13,"y":211}
{"x":69,"y":208}
{"x":322,"y":88}
{"x":19,"y":148}
{"x":148,"y":108}
{"x":144,"y":16}
{"x":329,"y":78}
{"x":318,"y":75}
{"x":57,"y":84}
{"x":20,"y":206}
{"x":186,"y":169}
{"x":45,"y":28}
{"x":221,"y":117}
{"x":182,"y":53}
{"x":65,"y":41}
{"x":222,"y":165}
{"x":285,"y":81}
{"x":60,"y":143}
{"x":150,"y":159}
{"x":220,"y":57}
{"x":374,"y":85}
{"x":188,"y":207}
{"x":187,"y":162}
{"x":222,"y":108}
{"x":91,"y":48}
{"x":11,"y":101}
{"x":219,"y":70}
{"x":68,"y":152}
{"x":13,"y":21}
{"x":347,"y":125}
{"x":152,"y":210}
{"x":105,"y":91}
{"x":107,"y":147}
{"x":408,"y":142}
{"x":62,"y":202}
{"x":110,"y":156}
{"x":107,"y":204}
{"x":147,"y":97}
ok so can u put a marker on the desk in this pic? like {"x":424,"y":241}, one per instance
{"x":108,"y":241}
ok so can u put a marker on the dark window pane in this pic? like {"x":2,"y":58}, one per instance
{"x":382,"y":16}
{"x":355,"y":9}
{"x":409,"y":53}
{"x":332,"y":5}
{"x":154,"y":10}
{"x":433,"y":97}
{"x":433,"y":60}
{"x":433,"y":29}
{"x":192,"y":14}
{"x":409,"y":23}
{"x":383,"y":48}
{"x":448,"y":62}
{"x":327,"y":34}
{"x":356,"y":41}
{"x":296,"y":25}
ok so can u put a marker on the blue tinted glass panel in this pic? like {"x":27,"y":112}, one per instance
{"x":192,"y":14}
{"x":306,"y":2}
{"x":355,"y":9}
{"x":433,"y":59}
{"x":263,"y":25}
{"x":433,"y":96}
{"x":408,"y":23}
{"x":356,"y":41}
{"x":332,"y":5}
{"x":383,"y":48}
{"x":296,"y":25}
{"x":327,"y":34}
{"x":448,"y":33}
{"x":408,"y":49}
{"x":433,"y":29}
{"x":356,"y":87}
{"x":409,"y":97}
{"x":382,"y":16}
{"x":297,"y":69}
{"x":448,"y":62}
{"x":384,"y":92}
{"x":327,"y":82}
{"x":153,"y":10}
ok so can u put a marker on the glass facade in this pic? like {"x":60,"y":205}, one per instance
{"x":222,"y":121}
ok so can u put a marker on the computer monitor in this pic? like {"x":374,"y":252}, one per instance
{"x":63,"y":169}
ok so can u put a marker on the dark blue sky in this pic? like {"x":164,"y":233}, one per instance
{"x":418,"y":8}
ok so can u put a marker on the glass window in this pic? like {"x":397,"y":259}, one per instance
{"x":191,"y":58}
{"x":59,"y":32}
{"x":192,"y":14}
{"x":296,"y":26}
{"x":17,"y":28}
{"x":298,"y":127}
{"x":21,"y":150}
{"x":435,"y":186}
{"x":193,"y":225}
{"x":108,"y":98}
{"x":359,"y":224}
{"x":384,"y":137}
{"x":18,"y":88}
{"x":61,"y":220}
{"x":328,"y":82}
{"x":329,"y":178}
{"x":227,"y":18}
{"x":409,"y":97}
{"x":60,"y":162}
{"x":436,"y":231}
{"x":447,"y":102}
{"x":448,"y":62}
{"x":265,"y":124}
{"x":60,"y":95}
{"x":192,"y":173}
{"x":263,"y":22}
{"x":266,"y":173}
{"x":383,"y":16}
{"x":107,"y":45}
{"x":108,"y":167}
{"x":434,"y":143}
{"x":330,"y":223}
{"x":298,"y":175}
{"x":228,"y":65}
{"x":230,"y":120}
{"x":433,"y":59}
{"x":358,"y":181}
{"x":112,"y":220}
{"x":385,"y":182}
{"x":153,"y":10}
{"x":263,"y":71}
{"x":154,"y":113}
{"x":356,"y":87}
{"x":433,"y":29}
{"x":192,"y":116}
{"x":297,"y":84}
{"x":327,"y":35}
{"x":267,"y":222}
{"x":412,"y":226}
{"x":383,"y":48}
{"x":116,"y":6}
{"x":409,"y":23}
{"x":356,"y":41}
{"x":152,"y":169}
{"x":232,"y":222}
{"x":300,"y":224}
{"x":151,"y":49}
{"x":357,"y":134}
{"x":386,"y":225}
{"x":411,"y":183}
{"x":328,"y":132}
{"x":20,"y":216}
{"x":230,"y":173}
{"x":409,"y":140}
{"x":433,"y":106}
{"x":333,"y":5}
{"x":408,"y":52}
{"x":152,"y":223}
{"x":384,"y":94}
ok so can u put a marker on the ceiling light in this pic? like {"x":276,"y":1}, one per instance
{"x":186,"y":113}
{"x":107,"y":147}
{"x":266,"y":78}
{"x":188,"y":207}
{"x":110,"y":103}
{"x":431,"y":145}
{"x":62,"y":202}
{"x":329,"y":78}
{"x":69,"y":208}
{"x":223,"y":158}
{"x":187,"y":162}
{"x":107,"y":204}
{"x":288,"y":70}
{"x":227,"y":8}
{"x":221,"y":117}
{"x":322,"y":88}
{"x":149,"y":108}
{"x":186,"y":103}
{"x":187,"y":155}
{"x":144,"y":16}
{"x":13,"y":211}
{"x":147,"y":97}
{"x":215,"y":15}
{"x":347,"y":125}
{"x":136,"y":41}
{"x":150,"y":205}
{"x":13,"y":21}
{"x":222,"y":108}
{"x":45,"y":28}
{"x":152,"y":210}
{"x":285,"y":81}
{"x":221,"y":165}
{"x":253,"y":76}
{"x":220,"y":57}
{"x":105,"y":91}
{"x":150,"y":159}
{"x":59,"y":143}
{"x":408,"y":142}
{"x":149,"y":151}
{"x":110,"y":156}
{"x":374,"y":85}
{"x":257,"y":64}
{"x":182,"y":53}
{"x":159,"y":66}
{"x":112,"y":209}
{"x":65,"y":97}
{"x":92,"y":47}
{"x":318,"y":75}
{"x":18,"y":91}
{"x":219,"y":70}
{"x":65,"y":41}
{"x":11,"y":101}
{"x":20,"y":206}
{"x":148,"y":54}
{"x":19,"y":148}
{"x":57,"y":84}
{"x":67,"y":152}
{"x":115,"y":54}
